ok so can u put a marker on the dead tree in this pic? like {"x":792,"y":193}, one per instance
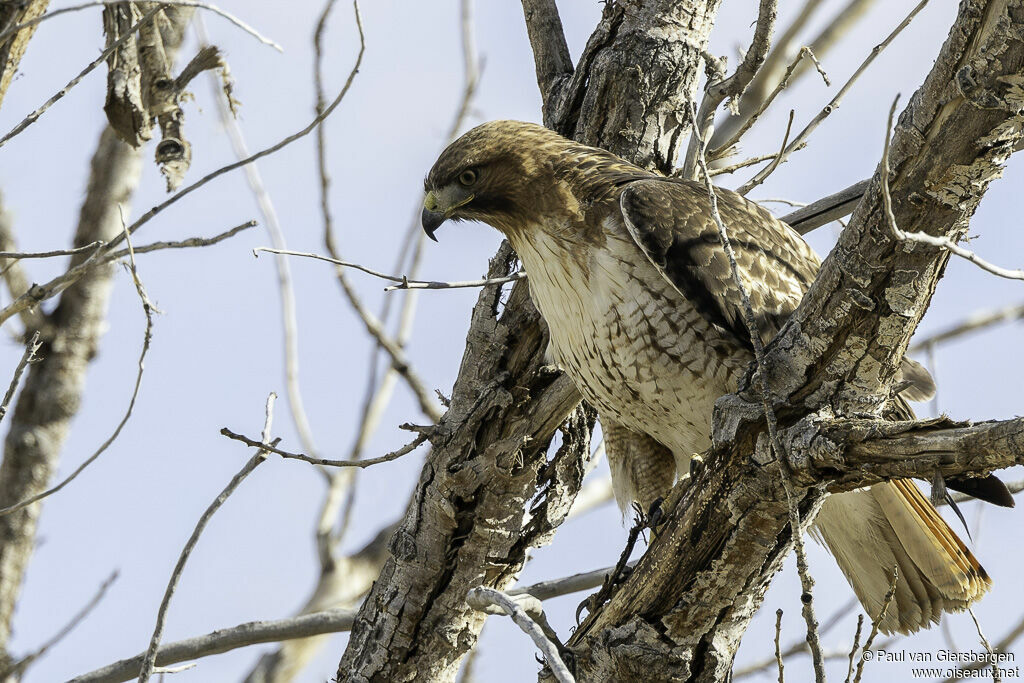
{"x":682,"y":612}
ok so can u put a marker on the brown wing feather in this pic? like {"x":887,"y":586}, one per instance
{"x":671,"y":222}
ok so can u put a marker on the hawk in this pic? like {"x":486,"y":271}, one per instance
{"x":628,"y":271}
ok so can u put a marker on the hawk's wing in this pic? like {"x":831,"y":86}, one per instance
{"x":671,"y":222}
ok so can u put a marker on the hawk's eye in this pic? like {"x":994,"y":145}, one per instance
{"x":467,"y":177}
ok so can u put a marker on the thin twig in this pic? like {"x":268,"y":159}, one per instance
{"x":149,"y":661}
{"x":856,"y":646}
{"x":996,"y":678}
{"x":770,"y":168}
{"x":732,"y":168}
{"x":973,"y":323}
{"x":796,"y":529}
{"x":188,"y":243}
{"x":724,"y":149}
{"x":837,"y":100}
{"x":16,"y":671}
{"x":778,"y":648}
{"x":482,"y":597}
{"x":29,"y":356}
{"x":800,"y":646}
{"x":942,"y":241}
{"x":289,"y":321}
{"x":56,"y":252}
{"x":34,"y":116}
{"x":876,"y":622}
{"x":147,"y":309}
{"x":405,"y":282}
{"x":99,"y":3}
{"x":393,"y":455}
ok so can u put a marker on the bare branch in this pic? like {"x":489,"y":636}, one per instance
{"x":149,"y":661}
{"x":17,"y":255}
{"x":890,"y":594}
{"x":827,"y":209}
{"x":972,"y":323}
{"x":394,"y":455}
{"x":726,"y":147}
{"x":303,"y":626}
{"x":185,"y":3}
{"x":404,"y":281}
{"x":770,"y":168}
{"x":482,"y":597}
{"x":856,"y":646}
{"x":26,"y":358}
{"x":778,"y":649}
{"x":837,"y":100}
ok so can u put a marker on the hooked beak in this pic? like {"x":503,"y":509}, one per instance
{"x":431,"y":221}
{"x":440,"y":206}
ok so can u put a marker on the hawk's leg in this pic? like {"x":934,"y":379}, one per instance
{"x":642,"y":469}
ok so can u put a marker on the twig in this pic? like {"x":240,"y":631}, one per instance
{"x":187,"y":243}
{"x":393,"y":455}
{"x":972,"y":323}
{"x":147,"y":309}
{"x":289,"y":321}
{"x":39,"y":293}
{"x":800,"y":646}
{"x":34,"y":116}
{"x":405,"y":282}
{"x":16,"y":671}
{"x":732,"y":168}
{"x":770,"y":168}
{"x":733,"y":86}
{"x":99,"y":3}
{"x":723,"y":149}
{"x":996,"y":678}
{"x":778,"y":649}
{"x":149,"y":661}
{"x":942,"y":242}
{"x":837,"y":100}
{"x":56,"y":252}
{"x":806,"y":582}
{"x":856,"y":645}
{"x":482,"y":597}
{"x":890,"y":594}
{"x":1003,"y":646}
{"x":26,"y":358}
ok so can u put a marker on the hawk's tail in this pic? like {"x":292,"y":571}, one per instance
{"x":870,"y":531}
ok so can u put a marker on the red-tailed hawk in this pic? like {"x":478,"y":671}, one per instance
{"x":628,"y":271}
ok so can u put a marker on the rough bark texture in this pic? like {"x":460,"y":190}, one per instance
{"x":681,"y":614}
{"x":11,"y":51}
{"x":467,"y":524}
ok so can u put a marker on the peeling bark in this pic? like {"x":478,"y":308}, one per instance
{"x":13,"y":48}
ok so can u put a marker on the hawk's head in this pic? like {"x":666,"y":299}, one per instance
{"x":493,"y":174}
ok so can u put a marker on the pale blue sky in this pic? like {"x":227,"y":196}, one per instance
{"x":217,"y":349}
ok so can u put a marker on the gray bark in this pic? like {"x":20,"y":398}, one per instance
{"x":13,"y":48}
